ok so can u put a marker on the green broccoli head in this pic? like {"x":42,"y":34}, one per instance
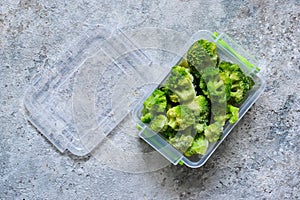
{"x":169,"y":132}
{"x":146,"y":117}
{"x":174,"y":98}
{"x":213,"y":132}
{"x":200,"y":108}
{"x":203,"y":87}
{"x":180,"y":82}
{"x":159,"y":123}
{"x":156,"y":103}
{"x":212,"y":84}
{"x":233,"y":113}
{"x":180,"y":117}
{"x":199,"y":105}
{"x":228,"y":67}
{"x":216,"y":90}
{"x":200,"y":127}
{"x":202,"y":54}
{"x":183,"y":140}
{"x":199,"y":146}
{"x":227,"y":84}
{"x":240,"y":88}
{"x":240,"y":83}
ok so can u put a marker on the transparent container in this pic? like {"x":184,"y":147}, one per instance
{"x":104,"y":79}
{"x":227,"y":50}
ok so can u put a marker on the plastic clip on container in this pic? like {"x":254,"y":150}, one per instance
{"x":80,"y":100}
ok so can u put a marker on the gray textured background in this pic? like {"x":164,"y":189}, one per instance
{"x":259,"y":159}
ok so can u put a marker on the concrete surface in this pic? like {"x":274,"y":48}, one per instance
{"x":259,"y":159}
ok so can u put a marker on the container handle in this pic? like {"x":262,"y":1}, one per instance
{"x":226,"y":42}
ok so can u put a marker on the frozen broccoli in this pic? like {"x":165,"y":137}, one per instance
{"x":200,"y":127}
{"x":159,"y":123}
{"x":199,"y":146}
{"x":180,"y":82}
{"x":203,"y":86}
{"x":146,"y":117}
{"x":169,"y":132}
{"x":240,"y":83}
{"x":233,"y":113}
{"x":227,"y":85}
{"x":201,"y":110}
{"x":156,"y":103}
{"x":171,"y":96}
{"x":199,"y":96}
{"x":199,"y":106}
{"x":221,"y":119}
{"x":202,"y":54}
{"x":183,"y":140}
{"x":180,"y":117}
{"x":212,"y":84}
{"x":174,"y":98}
{"x":213,"y":132}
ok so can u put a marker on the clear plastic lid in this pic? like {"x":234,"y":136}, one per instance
{"x":81,"y":99}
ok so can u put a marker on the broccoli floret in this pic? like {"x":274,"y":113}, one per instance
{"x":183,"y":140}
{"x":199,"y":105}
{"x":213,"y":132}
{"x":214,"y":84}
{"x":180,"y":82}
{"x":180,"y":117}
{"x":240,"y":83}
{"x":203,"y":87}
{"x":216,"y":91}
{"x":146,"y":118}
{"x":221,"y":119}
{"x":200,"y":108}
{"x":169,"y":132}
{"x":174,"y":98}
{"x":228,"y":67}
{"x":181,"y":143}
{"x":159,"y":123}
{"x":201,"y":55}
{"x":200,"y":127}
{"x":227,"y":84}
{"x":233,"y":113}
{"x":199,"y":146}
{"x":156,"y":103}
{"x":239,"y":89}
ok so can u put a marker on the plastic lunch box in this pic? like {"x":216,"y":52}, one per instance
{"x":105,"y":78}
